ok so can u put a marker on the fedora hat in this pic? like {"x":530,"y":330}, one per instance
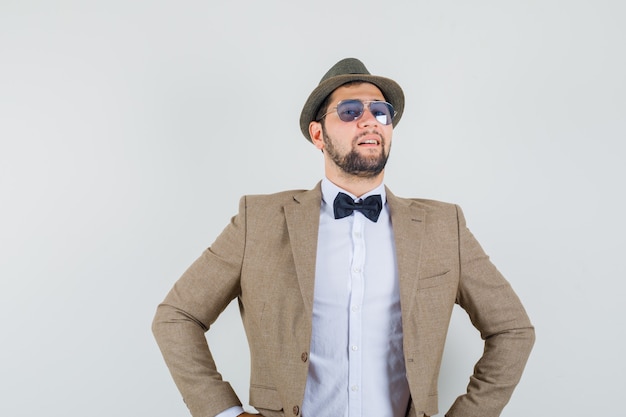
{"x":345,"y":71}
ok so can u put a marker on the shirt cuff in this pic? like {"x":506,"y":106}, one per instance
{"x":231,"y":412}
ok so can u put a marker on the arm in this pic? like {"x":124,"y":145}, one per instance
{"x":496,"y":311}
{"x":193,"y":304}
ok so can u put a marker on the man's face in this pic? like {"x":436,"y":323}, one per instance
{"x":358,"y":148}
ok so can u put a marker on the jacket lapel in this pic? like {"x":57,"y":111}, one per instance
{"x":302,"y":216}
{"x":408,"y":222}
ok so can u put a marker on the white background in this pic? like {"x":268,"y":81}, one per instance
{"x":129,"y":130}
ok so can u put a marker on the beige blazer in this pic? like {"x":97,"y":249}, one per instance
{"x":265,"y":258}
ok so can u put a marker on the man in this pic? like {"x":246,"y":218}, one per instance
{"x":345,"y":290}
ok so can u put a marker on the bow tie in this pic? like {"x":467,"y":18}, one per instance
{"x":344,"y":205}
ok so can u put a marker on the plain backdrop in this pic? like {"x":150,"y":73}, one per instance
{"x":129,"y":130}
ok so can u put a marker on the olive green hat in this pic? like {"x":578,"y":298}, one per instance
{"x":345,"y":71}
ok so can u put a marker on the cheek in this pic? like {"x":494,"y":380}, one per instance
{"x":388,"y":133}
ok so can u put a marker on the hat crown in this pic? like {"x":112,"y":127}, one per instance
{"x":345,"y":66}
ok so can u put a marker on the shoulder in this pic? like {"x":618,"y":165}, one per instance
{"x":268,"y":212}
{"x":420,"y":203}
{"x":428,"y":204}
{"x":278,"y":198}
{"x":434,"y":212}
{"x":264,"y":204}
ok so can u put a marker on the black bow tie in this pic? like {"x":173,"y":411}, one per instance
{"x":344,"y":205}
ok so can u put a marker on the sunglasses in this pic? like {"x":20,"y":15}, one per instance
{"x":351,"y":110}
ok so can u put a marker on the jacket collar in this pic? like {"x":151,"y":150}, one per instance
{"x":408,"y":221}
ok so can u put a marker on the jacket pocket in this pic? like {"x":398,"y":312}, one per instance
{"x":262,"y":397}
{"x":436,"y":279}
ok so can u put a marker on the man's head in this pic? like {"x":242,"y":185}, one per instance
{"x":344,"y":72}
{"x":350,"y":117}
{"x":357,"y":148}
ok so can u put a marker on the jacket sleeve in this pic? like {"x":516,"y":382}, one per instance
{"x":189,"y":309}
{"x":496,"y":311}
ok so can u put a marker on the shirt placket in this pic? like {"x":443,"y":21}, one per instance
{"x":355,"y":322}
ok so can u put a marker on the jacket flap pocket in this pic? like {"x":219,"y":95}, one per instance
{"x":435,"y":279}
{"x":265,"y":397}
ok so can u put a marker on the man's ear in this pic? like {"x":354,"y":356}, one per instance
{"x":317,"y":135}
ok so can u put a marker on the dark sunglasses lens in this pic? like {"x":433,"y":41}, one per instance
{"x":350,"y":110}
{"x":382,"y":111}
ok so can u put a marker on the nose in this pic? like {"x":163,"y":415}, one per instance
{"x":368,"y":118}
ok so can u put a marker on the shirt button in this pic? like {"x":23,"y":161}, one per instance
{"x":296,"y":410}
{"x":354,"y":347}
{"x":355,"y":308}
{"x":304,"y":357}
{"x":354,"y":388}
{"x":357,"y":234}
{"x":357,"y":269}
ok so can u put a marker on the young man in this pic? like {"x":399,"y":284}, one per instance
{"x":345,"y":290}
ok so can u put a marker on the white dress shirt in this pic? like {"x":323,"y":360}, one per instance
{"x":356,"y":364}
{"x":356,"y":361}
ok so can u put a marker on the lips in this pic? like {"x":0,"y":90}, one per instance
{"x":369,"y":142}
{"x":369,"y":139}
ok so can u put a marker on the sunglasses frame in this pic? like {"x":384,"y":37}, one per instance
{"x":366,"y":104}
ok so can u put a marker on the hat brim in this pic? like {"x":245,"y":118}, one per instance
{"x":390,"y":89}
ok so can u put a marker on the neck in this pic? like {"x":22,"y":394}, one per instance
{"x":354,"y":184}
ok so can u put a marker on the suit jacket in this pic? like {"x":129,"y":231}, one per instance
{"x":265,"y":258}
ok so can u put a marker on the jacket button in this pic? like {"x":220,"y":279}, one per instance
{"x":296,"y":410}
{"x":304,"y":357}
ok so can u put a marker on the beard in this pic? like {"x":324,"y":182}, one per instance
{"x":355,"y":163}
